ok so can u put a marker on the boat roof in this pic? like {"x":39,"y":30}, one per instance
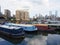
{"x":40,"y":24}
{"x":54,"y":21}
{"x":54,"y":24}
{"x":9,"y":27}
{"x":26,"y":25}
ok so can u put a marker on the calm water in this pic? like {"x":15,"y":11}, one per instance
{"x":34,"y":39}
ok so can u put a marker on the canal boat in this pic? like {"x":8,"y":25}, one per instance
{"x":49,"y":25}
{"x":43,"y":27}
{"x":11,"y":32}
{"x":26,"y":27}
{"x":54,"y":24}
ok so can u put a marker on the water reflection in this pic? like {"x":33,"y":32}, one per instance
{"x":35,"y":40}
{"x":10,"y":40}
{"x":42,"y":38}
{"x":53,"y":39}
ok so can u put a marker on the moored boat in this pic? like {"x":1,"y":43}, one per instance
{"x":54,"y":24}
{"x":11,"y":32}
{"x":43,"y":27}
{"x":28,"y":28}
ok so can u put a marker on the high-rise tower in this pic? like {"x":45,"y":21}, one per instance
{"x":50,"y":12}
{"x":56,"y":13}
{"x":0,"y":11}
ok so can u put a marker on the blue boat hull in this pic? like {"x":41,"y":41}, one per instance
{"x":25,"y":27}
{"x":12,"y":33}
{"x":30,"y":29}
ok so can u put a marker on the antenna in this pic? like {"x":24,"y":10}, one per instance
{"x":0,"y":8}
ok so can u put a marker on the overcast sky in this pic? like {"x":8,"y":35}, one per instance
{"x":33,"y":6}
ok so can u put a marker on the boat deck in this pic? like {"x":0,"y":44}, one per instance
{"x":40,"y":24}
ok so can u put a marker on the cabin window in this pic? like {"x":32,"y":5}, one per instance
{"x":54,"y":26}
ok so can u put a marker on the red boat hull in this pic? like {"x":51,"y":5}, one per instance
{"x":44,"y":27}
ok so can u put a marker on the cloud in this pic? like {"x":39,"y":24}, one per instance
{"x":14,"y":4}
{"x":33,"y":6}
{"x":38,"y":2}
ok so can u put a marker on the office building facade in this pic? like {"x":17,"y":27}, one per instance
{"x":22,"y":16}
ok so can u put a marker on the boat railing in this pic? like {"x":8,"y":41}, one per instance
{"x":57,"y":26}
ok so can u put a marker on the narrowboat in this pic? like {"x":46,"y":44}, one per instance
{"x":26,"y":27}
{"x":43,"y":27}
{"x":54,"y":24}
{"x":11,"y":32}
